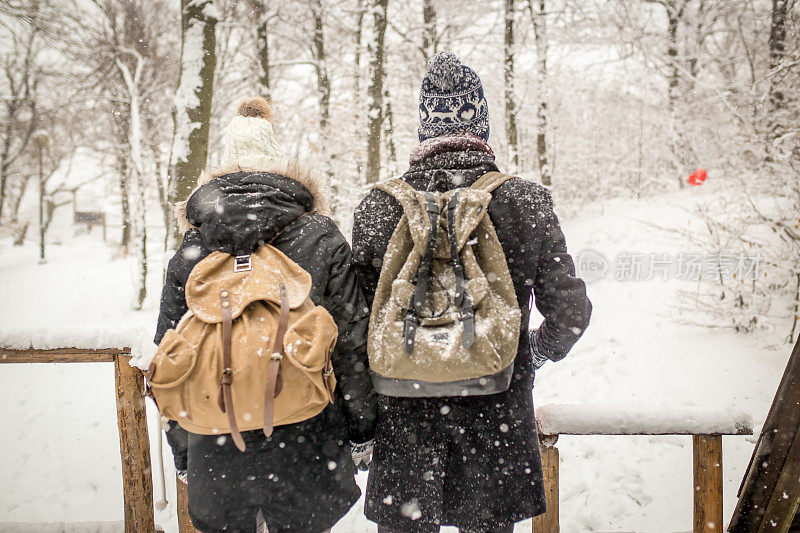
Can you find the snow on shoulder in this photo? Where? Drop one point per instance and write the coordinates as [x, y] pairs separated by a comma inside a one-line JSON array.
[[641, 420], [137, 338]]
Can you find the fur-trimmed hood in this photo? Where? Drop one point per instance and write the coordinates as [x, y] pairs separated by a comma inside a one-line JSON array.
[[288, 168], [238, 209]]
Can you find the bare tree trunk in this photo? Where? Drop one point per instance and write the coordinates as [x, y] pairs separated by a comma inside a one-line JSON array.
[[192, 113], [262, 47], [539, 18], [3, 176], [16, 202], [694, 60], [4, 166], [121, 128], [323, 79], [508, 80], [777, 50], [673, 72], [324, 95], [357, 35], [375, 50], [163, 194], [429, 41], [674, 14], [159, 170], [19, 97], [263, 60], [135, 180], [790, 340], [388, 132]]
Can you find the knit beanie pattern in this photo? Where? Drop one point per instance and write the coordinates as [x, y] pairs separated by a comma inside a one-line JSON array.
[[249, 141], [451, 100]]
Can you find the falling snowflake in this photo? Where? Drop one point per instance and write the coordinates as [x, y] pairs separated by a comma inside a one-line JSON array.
[[411, 510]]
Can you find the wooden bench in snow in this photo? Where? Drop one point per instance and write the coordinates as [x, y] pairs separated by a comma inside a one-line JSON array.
[[90, 218], [704, 424], [101, 345]]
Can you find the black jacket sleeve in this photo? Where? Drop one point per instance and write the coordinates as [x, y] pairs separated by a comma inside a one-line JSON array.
[[559, 295], [173, 297], [346, 303], [374, 222], [528, 229], [173, 307], [173, 304]]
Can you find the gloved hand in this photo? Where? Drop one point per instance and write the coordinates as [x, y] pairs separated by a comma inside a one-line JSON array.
[[362, 454], [539, 359], [182, 476]]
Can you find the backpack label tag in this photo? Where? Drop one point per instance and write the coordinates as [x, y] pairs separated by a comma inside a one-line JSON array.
[[242, 263]]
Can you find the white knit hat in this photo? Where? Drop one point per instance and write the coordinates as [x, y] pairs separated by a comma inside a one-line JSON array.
[[249, 141]]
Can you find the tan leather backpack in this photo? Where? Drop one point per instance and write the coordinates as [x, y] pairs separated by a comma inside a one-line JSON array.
[[252, 352], [445, 320]]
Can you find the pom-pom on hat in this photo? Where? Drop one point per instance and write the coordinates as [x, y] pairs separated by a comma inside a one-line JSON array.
[[451, 100], [249, 141]]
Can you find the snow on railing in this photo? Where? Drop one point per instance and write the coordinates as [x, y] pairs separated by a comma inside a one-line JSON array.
[[705, 424], [601, 419], [68, 344], [138, 339]]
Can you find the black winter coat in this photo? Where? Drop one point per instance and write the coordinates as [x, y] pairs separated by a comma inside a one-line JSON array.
[[302, 477], [472, 462]]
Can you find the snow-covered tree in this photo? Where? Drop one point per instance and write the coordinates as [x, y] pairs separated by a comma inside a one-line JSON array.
[[375, 51], [194, 96]]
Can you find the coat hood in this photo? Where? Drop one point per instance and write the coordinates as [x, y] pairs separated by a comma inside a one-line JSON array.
[[238, 209], [449, 162]]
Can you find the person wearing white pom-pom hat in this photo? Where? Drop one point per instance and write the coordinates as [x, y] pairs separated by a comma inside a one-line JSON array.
[[301, 476]]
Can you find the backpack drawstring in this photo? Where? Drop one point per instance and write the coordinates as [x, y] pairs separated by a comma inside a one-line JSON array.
[[161, 504]]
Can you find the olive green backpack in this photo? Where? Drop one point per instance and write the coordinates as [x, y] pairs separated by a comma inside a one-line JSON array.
[[445, 319]]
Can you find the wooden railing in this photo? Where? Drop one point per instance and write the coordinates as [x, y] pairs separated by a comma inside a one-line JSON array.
[[705, 426], [137, 483]]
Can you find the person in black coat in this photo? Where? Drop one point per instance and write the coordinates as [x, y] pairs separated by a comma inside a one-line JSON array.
[[472, 462], [301, 478]]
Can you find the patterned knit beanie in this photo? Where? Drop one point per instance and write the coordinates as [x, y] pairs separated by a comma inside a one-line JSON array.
[[451, 100], [249, 141]]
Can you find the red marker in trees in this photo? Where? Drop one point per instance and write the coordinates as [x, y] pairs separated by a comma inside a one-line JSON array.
[[698, 177]]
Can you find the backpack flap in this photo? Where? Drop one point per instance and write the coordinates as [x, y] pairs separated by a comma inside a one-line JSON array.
[[469, 209], [472, 205], [217, 272]]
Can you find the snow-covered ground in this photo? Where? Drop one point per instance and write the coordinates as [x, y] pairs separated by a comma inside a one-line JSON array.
[[59, 452]]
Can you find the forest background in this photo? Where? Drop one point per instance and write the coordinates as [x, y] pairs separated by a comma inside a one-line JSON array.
[[120, 103]]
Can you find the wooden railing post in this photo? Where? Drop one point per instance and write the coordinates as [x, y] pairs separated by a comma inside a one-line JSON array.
[[549, 521], [707, 466], [134, 444], [184, 522], [134, 447]]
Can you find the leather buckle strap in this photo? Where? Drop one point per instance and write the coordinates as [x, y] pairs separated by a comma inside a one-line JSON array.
[[274, 384], [410, 325], [226, 379]]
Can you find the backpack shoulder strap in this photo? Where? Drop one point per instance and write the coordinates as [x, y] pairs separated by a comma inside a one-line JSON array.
[[400, 191], [490, 181]]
